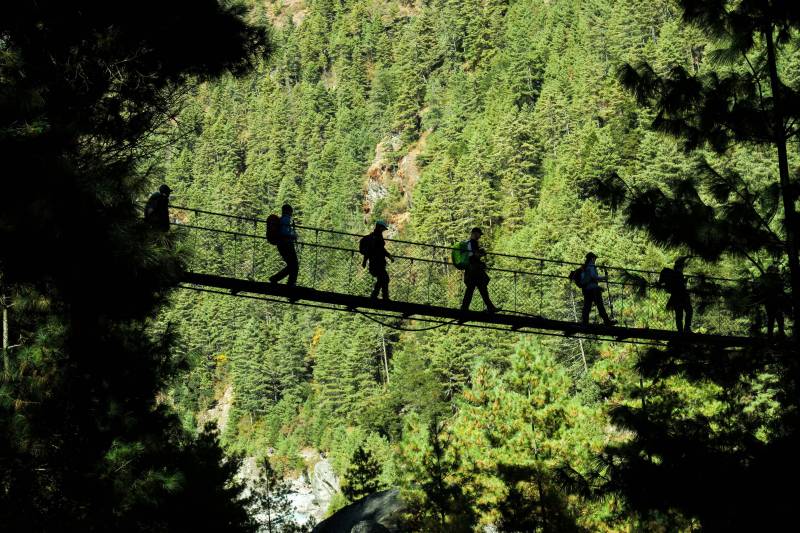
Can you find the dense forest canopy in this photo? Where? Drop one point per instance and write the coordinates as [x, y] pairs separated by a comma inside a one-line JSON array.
[[644, 131]]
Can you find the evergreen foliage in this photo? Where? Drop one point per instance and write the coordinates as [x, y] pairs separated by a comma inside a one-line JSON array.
[[443, 115], [361, 478]]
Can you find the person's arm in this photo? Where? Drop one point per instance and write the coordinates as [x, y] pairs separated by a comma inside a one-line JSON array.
[[593, 276]]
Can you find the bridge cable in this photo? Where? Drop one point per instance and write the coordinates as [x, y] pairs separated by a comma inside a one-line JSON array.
[[439, 322]]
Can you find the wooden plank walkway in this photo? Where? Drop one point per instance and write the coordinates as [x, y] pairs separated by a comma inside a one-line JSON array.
[[514, 322]]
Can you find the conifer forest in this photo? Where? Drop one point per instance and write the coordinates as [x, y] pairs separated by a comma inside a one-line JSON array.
[[639, 158]]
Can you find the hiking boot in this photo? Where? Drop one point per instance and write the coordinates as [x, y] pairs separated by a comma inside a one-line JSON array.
[[611, 322]]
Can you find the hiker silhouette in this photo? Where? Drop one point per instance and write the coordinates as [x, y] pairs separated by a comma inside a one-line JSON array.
[[475, 273], [770, 292], [679, 301], [592, 293], [156, 210], [373, 247], [286, 242]]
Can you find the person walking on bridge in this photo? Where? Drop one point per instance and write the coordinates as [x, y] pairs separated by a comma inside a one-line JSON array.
[[156, 210], [475, 273], [679, 301], [286, 241], [771, 293], [373, 248], [592, 293]]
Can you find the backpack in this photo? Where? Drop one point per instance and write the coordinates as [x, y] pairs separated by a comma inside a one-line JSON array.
[[460, 255], [274, 229], [667, 278], [365, 245], [151, 207], [576, 276]]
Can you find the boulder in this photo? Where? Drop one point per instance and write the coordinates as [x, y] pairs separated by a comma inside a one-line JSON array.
[[369, 526], [377, 513]]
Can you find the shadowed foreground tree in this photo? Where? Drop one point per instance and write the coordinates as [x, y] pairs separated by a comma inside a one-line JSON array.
[[715, 439], [86, 445], [361, 478], [435, 500], [745, 101], [715, 431]]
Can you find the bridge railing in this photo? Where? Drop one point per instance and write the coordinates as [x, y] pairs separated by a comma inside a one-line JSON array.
[[235, 246]]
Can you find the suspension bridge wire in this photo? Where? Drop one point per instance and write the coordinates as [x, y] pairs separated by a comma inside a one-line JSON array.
[[401, 328], [428, 245], [440, 323]]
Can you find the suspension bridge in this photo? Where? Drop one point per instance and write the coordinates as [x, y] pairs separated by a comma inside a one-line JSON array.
[[230, 255]]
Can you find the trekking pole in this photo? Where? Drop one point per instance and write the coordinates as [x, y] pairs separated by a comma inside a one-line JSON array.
[[316, 253], [253, 241], [608, 288]]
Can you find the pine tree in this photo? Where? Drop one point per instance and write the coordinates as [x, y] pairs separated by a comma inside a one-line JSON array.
[[85, 442], [361, 478], [271, 501]]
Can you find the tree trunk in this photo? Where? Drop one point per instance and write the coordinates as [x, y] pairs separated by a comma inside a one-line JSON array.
[[5, 322], [4, 304], [787, 194], [385, 358]]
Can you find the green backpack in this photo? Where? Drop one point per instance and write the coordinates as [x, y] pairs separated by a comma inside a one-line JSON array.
[[460, 255]]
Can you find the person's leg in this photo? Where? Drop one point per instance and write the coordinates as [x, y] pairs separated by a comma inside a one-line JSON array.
[[687, 321], [781, 325], [376, 288], [601, 308], [483, 289], [286, 270], [587, 307], [292, 264], [467, 296], [770, 321], [678, 318], [385, 284]]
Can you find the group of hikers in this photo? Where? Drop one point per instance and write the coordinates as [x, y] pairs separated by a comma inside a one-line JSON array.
[[469, 256]]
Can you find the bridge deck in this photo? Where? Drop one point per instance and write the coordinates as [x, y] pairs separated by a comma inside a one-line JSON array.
[[406, 309]]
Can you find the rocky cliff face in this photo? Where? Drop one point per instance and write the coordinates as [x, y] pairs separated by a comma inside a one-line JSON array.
[[324, 483], [309, 494], [391, 179], [219, 412]]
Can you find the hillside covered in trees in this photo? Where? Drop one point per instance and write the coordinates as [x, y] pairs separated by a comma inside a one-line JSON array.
[[642, 130], [439, 116]]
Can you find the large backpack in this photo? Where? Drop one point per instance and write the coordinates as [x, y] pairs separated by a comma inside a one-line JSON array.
[[460, 255], [151, 207], [365, 245], [274, 229], [576, 276], [667, 278]]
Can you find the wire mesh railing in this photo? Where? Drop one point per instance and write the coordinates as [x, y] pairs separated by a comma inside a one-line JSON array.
[[236, 246]]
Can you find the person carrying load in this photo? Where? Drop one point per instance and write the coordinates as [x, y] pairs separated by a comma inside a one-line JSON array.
[[156, 210], [588, 280], [373, 248], [281, 233], [674, 282], [468, 256]]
